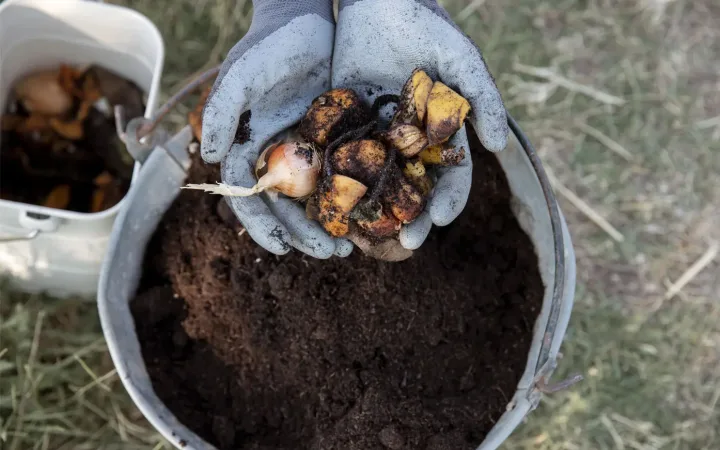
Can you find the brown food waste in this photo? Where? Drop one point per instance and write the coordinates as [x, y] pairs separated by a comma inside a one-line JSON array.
[[331, 114], [59, 147], [254, 351], [195, 115]]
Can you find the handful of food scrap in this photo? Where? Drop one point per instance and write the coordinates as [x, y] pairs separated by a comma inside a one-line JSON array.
[[359, 181]]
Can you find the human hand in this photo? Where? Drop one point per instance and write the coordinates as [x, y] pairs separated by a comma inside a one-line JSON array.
[[378, 43], [272, 75]]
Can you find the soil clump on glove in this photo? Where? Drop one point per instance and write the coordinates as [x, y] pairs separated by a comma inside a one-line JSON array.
[[255, 351]]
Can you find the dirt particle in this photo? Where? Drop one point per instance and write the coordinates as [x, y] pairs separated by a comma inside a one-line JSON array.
[[391, 438], [242, 134], [306, 152], [224, 430]]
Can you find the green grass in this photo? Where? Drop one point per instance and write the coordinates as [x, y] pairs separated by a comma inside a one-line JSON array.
[[652, 365]]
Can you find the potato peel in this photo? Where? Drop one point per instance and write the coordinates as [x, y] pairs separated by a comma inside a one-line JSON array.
[[195, 116], [405, 201], [337, 196], [446, 112], [72, 130], [58, 198], [440, 155], [98, 198], [68, 77], [422, 86], [385, 226], [42, 93], [387, 250]]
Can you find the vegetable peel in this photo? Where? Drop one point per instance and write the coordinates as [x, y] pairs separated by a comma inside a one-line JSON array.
[[446, 112], [415, 172], [409, 140], [337, 196], [413, 99], [441, 155], [405, 201]]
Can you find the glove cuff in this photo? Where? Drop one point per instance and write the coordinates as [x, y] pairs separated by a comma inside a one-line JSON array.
[[432, 5], [272, 11]]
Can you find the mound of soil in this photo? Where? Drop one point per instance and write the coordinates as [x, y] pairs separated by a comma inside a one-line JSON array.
[[255, 351]]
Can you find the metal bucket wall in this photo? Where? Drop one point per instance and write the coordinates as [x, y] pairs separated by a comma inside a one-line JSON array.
[[533, 203]]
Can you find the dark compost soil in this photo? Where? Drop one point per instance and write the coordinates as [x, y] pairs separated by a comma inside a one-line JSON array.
[[254, 351]]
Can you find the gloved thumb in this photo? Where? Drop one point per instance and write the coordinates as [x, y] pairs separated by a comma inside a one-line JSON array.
[[221, 115]]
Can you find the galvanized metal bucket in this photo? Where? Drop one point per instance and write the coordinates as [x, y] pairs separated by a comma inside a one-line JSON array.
[[163, 174]]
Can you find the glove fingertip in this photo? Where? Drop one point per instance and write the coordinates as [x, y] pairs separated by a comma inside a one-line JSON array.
[[444, 214], [451, 195], [488, 114], [318, 249], [220, 117], [276, 241], [306, 236], [264, 228], [489, 117], [216, 138], [414, 234], [343, 247], [493, 133]]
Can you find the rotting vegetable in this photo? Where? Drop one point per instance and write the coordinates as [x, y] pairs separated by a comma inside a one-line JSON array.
[[370, 181]]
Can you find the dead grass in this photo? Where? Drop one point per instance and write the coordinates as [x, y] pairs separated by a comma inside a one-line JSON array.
[[58, 388], [622, 99]]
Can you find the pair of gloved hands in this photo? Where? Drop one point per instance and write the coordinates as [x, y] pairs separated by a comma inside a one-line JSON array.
[[294, 52]]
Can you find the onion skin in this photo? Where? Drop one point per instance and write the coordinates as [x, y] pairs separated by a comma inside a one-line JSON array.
[[290, 168], [42, 93], [299, 164]]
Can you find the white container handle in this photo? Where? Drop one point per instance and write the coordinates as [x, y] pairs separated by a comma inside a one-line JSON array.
[[40, 222], [20, 237], [34, 223]]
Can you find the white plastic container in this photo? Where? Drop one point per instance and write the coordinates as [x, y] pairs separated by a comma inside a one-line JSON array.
[[45, 249]]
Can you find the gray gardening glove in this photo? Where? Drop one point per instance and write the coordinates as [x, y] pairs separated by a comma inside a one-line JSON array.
[[275, 71], [378, 43]]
